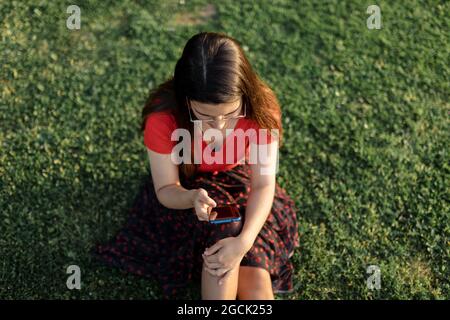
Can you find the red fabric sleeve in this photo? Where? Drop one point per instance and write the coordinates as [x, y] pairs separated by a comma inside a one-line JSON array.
[[158, 130]]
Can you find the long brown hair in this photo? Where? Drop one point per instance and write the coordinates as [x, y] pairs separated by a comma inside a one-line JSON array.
[[213, 69]]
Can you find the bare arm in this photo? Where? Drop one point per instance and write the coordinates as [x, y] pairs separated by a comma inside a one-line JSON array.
[[260, 199], [166, 181], [168, 188]]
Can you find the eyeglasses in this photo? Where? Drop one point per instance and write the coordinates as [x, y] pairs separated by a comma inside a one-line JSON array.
[[231, 115]]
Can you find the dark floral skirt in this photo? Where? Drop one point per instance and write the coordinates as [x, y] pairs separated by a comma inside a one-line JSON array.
[[167, 245]]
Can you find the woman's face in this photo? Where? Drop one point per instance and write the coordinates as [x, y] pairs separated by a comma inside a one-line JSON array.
[[218, 116]]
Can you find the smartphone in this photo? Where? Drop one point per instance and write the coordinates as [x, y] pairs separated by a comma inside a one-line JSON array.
[[227, 213]]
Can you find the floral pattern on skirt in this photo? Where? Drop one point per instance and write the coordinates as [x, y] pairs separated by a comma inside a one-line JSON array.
[[167, 245]]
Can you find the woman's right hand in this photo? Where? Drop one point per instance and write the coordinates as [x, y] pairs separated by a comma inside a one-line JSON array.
[[203, 205]]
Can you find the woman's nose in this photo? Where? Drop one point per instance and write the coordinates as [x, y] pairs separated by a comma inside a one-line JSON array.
[[218, 123]]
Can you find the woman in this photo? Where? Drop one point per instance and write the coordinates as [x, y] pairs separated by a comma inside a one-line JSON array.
[[169, 235]]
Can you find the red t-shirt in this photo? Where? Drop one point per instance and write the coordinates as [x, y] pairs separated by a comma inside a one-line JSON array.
[[160, 125]]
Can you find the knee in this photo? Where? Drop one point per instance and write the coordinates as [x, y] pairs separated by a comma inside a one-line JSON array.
[[253, 281], [212, 291], [254, 284]]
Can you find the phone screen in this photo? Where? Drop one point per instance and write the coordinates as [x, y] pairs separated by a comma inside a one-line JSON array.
[[226, 212]]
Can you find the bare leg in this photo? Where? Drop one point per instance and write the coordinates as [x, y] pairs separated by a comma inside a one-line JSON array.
[[211, 289], [254, 284]]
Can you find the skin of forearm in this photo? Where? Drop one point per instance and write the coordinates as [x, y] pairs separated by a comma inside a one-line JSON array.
[[259, 206], [175, 197]]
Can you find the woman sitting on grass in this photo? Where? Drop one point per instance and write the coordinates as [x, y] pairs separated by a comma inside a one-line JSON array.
[[169, 235]]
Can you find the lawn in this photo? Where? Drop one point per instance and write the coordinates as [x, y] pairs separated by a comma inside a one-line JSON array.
[[365, 114]]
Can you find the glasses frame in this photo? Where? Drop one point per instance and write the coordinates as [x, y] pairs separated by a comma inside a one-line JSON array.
[[224, 118]]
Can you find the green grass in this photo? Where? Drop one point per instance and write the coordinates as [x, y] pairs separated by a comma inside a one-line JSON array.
[[365, 114]]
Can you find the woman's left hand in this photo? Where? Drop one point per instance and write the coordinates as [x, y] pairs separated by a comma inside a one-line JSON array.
[[223, 256]]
